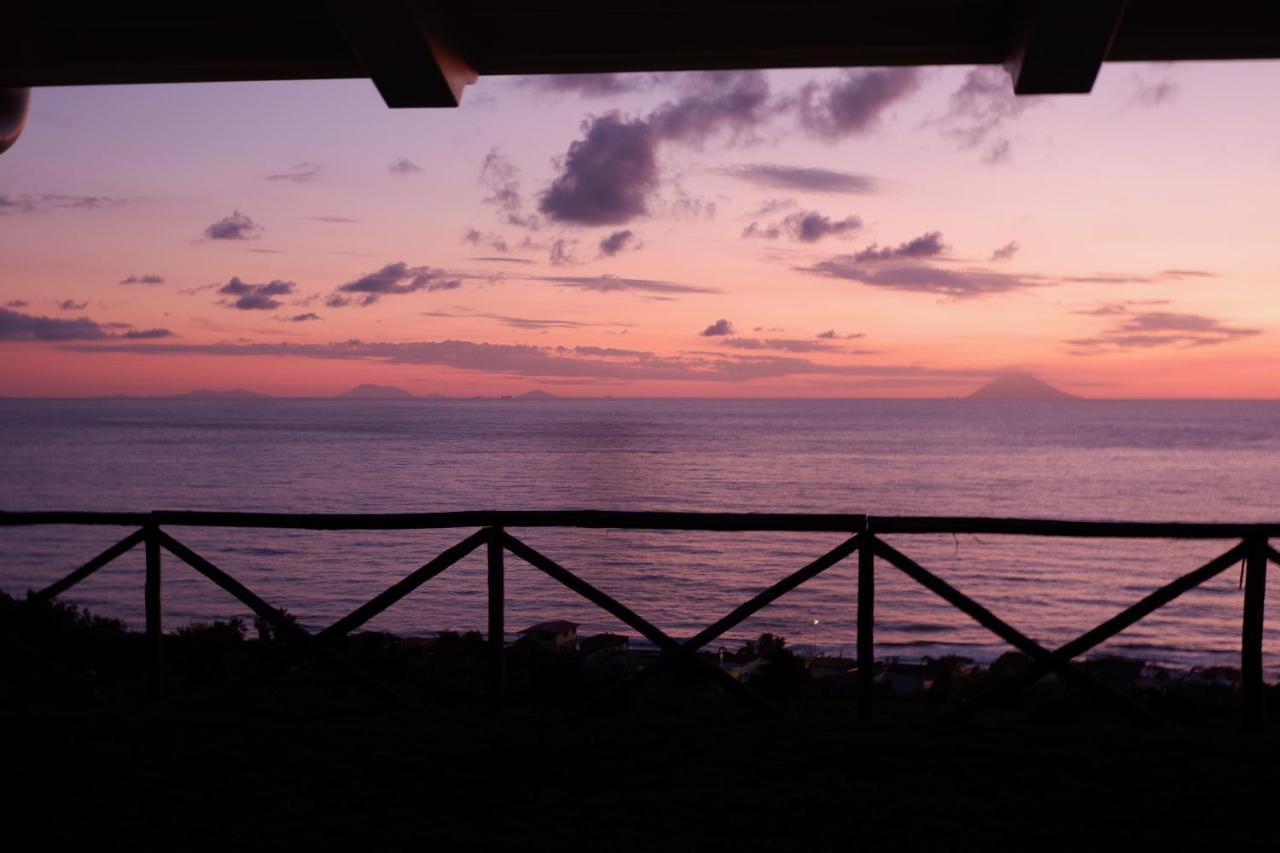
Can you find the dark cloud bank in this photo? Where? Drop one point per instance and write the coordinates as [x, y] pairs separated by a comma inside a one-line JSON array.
[[907, 267], [528, 323], [806, 226], [402, 167], [608, 176], [795, 345], [299, 173], [593, 85], [801, 178], [394, 279], [616, 242], [588, 362], [15, 326], [1140, 330], [237, 226], [245, 296], [501, 180], [980, 111], [717, 329], [1005, 252], [927, 245], [922, 278], [614, 284], [854, 102], [39, 203]]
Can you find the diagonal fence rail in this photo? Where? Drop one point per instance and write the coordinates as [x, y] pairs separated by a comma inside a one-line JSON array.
[[864, 534]]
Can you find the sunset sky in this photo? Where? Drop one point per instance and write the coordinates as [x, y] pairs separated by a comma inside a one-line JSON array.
[[880, 233]]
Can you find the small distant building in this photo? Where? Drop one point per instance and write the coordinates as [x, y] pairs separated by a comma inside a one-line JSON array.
[[557, 636], [607, 643], [903, 679], [741, 670], [1155, 676], [1215, 677], [823, 667]]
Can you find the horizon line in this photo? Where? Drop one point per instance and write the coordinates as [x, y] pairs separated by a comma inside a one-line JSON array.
[[233, 396]]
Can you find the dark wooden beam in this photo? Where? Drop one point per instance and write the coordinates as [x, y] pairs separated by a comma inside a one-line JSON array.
[[629, 617], [781, 522], [407, 56], [285, 627], [919, 524], [1255, 594], [1062, 45], [1106, 630], [151, 602], [866, 627], [1006, 632], [398, 590], [738, 615], [358, 617], [53, 44], [497, 613], [60, 586]]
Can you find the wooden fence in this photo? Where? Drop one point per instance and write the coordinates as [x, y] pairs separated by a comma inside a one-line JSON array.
[[864, 538]]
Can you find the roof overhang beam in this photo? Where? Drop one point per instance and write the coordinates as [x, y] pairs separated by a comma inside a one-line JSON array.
[[405, 51], [1062, 45]]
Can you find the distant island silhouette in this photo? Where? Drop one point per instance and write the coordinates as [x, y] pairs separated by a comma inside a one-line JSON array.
[[1011, 385], [232, 394], [369, 391], [1017, 385]]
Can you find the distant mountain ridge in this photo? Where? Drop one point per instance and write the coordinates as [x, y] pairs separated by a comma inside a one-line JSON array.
[[369, 391], [1020, 386]]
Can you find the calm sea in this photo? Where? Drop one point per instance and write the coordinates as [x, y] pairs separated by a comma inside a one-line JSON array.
[[1194, 461]]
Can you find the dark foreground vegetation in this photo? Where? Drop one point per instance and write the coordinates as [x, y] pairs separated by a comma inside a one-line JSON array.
[[314, 760]]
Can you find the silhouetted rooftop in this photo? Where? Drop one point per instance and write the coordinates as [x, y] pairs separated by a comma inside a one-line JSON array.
[[555, 626]]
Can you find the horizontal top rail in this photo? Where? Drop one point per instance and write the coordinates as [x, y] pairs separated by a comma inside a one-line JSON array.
[[847, 523], [1050, 527], [122, 519], [741, 521]]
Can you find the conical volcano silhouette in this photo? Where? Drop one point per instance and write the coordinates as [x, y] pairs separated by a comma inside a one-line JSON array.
[[1016, 385]]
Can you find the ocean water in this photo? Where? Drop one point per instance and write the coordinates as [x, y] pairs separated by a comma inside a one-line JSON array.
[[1166, 461]]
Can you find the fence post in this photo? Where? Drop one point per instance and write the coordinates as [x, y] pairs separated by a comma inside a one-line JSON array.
[[151, 601], [497, 600], [1255, 593], [866, 625]]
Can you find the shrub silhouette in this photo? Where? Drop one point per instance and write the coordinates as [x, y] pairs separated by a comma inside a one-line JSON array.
[[95, 647], [206, 652], [782, 673], [268, 633]]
